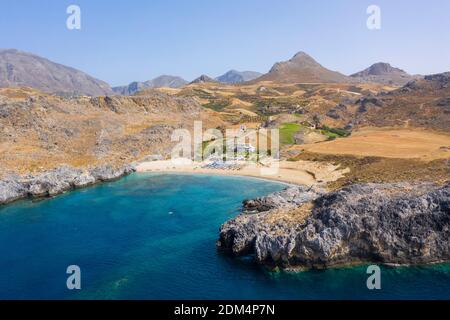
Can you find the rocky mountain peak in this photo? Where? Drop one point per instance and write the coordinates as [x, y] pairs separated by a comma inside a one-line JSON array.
[[303, 58], [203, 79], [379, 69], [302, 68], [384, 73]]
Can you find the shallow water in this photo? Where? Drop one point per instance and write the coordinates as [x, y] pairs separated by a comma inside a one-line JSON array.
[[152, 236]]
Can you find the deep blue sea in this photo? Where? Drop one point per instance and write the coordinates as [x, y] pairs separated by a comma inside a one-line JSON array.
[[152, 236]]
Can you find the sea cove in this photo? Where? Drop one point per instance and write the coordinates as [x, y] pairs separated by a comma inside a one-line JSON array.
[[152, 236]]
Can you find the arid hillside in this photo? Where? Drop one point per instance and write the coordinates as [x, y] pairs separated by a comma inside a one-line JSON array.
[[41, 131], [418, 144], [251, 102], [421, 103]]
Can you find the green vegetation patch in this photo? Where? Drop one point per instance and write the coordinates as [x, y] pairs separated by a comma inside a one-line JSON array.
[[334, 133], [288, 132]]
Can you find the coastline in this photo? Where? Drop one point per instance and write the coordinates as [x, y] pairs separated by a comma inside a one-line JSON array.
[[57, 181], [306, 173], [66, 178], [250, 232], [344, 227], [220, 174]]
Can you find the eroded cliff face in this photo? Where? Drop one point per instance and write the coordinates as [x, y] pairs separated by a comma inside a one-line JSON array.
[[380, 223]]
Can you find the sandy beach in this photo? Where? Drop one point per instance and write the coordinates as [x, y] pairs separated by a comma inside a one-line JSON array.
[[300, 172]]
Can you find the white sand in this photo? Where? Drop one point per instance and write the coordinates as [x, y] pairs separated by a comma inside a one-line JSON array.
[[301, 172]]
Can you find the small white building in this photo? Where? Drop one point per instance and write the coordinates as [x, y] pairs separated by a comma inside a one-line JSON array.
[[246, 147]]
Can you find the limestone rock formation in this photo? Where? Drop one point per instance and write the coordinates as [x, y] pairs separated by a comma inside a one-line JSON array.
[[397, 224]]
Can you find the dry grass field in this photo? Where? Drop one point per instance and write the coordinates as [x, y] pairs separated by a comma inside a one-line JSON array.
[[388, 143]]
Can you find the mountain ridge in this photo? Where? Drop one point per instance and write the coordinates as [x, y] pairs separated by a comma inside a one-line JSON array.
[[203, 79], [234, 76], [163, 81], [23, 69]]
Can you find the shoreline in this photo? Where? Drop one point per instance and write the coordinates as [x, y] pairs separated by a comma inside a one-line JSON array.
[[218, 174], [305, 173], [64, 179], [57, 181]]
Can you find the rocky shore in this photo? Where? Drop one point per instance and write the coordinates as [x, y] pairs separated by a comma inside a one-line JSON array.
[[57, 181], [399, 224]]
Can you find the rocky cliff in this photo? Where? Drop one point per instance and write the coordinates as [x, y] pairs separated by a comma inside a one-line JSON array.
[[379, 223], [54, 182]]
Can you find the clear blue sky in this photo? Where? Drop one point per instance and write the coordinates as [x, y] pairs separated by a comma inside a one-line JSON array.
[[122, 41]]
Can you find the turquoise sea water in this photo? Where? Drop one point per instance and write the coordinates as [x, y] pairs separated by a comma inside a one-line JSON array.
[[153, 237]]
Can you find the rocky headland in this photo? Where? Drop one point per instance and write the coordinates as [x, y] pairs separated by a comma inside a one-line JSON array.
[[302, 228], [51, 183]]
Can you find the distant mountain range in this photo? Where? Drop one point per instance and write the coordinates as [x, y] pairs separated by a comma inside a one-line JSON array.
[[302, 68], [234, 76], [163, 81], [21, 69], [384, 73]]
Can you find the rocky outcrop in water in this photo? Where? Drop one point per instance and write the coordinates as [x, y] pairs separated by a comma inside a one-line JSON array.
[[380, 223], [59, 180], [241, 234]]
